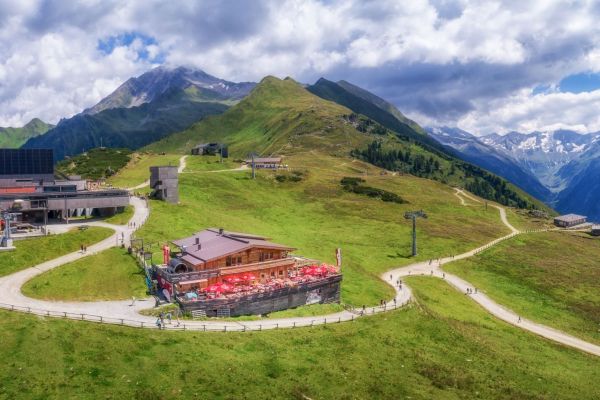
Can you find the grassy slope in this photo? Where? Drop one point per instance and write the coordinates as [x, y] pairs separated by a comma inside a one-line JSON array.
[[317, 215], [95, 163], [282, 117], [446, 348], [138, 169], [34, 251], [209, 163], [278, 116], [109, 275], [121, 218], [15, 137], [552, 277]]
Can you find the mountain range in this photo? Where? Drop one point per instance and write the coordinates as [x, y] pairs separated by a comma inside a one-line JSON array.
[[166, 109], [559, 167], [142, 110]]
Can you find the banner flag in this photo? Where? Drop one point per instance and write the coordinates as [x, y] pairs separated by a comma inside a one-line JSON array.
[[338, 257]]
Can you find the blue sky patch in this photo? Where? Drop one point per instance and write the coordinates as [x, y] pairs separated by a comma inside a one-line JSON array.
[[577, 83], [107, 45]]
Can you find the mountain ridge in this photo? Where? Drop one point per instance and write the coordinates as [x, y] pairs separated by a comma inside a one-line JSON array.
[[563, 161], [15, 137]]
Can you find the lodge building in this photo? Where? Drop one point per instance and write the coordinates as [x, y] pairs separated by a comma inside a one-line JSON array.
[[263, 276]]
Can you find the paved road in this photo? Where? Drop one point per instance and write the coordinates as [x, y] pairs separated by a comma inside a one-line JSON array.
[[113, 311]]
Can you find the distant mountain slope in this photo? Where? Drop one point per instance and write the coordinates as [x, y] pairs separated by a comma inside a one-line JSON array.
[[277, 116], [381, 103], [15, 137], [501, 163], [132, 127], [282, 117], [332, 91], [543, 153], [153, 84]]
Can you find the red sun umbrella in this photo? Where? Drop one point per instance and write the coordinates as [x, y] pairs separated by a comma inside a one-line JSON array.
[[248, 277]]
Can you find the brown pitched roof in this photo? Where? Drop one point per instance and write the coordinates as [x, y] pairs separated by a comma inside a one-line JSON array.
[[210, 244]]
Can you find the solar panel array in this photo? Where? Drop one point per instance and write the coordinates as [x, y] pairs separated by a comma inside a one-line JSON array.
[[26, 162]]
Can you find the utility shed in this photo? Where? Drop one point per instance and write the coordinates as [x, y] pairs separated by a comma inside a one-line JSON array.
[[164, 182], [569, 220], [596, 230]]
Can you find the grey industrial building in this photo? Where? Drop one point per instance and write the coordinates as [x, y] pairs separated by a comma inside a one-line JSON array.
[[28, 186], [164, 182]]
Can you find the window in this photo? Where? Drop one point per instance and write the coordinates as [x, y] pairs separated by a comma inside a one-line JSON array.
[[272, 274], [280, 272], [239, 260], [228, 261]]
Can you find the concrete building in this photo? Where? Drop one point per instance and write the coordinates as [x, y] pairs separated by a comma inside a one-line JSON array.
[[569, 220], [28, 187], [164, 182]]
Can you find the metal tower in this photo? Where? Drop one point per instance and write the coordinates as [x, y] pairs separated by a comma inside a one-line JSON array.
[[414, 215]]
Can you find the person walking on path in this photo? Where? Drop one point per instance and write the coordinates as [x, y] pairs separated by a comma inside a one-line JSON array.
[[132, 301], [475, 290], [158, 323], [81, 247], [519, 320], [169, 317]]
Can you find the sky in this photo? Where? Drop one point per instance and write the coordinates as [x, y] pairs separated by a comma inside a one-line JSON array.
[[483, 66]]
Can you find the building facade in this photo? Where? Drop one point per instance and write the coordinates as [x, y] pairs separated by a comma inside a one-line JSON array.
[[269, 278], [164, 182], [28, 186], [569, 220]]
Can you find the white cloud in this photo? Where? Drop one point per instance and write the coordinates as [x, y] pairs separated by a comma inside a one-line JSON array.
[[467, 62], [525, 112]]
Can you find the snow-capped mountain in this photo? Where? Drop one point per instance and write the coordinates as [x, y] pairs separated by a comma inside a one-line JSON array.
[[498, 161], [543, 153], [154, 83], [565, 163]]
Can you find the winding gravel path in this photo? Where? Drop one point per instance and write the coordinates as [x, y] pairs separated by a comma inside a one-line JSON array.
[[123, 313]]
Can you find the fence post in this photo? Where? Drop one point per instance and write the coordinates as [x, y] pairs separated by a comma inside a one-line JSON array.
[[260, 327], [141, 324], [352, 318], [122, 321], [294, 324], [224, 328], [339, 319], [65, 313], [277, 325], [82, 317]]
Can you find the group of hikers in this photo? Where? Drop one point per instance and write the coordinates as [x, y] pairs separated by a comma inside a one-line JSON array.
[[160, 321]]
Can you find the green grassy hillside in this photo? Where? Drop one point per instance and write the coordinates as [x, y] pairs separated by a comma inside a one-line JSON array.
[[317, 215], [282, 117], [34, 251], [445, 347], [95, 164], [552, 278], [109, 275], [16, 137]]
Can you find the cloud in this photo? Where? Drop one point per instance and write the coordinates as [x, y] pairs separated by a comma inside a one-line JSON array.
[[471, 63]]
